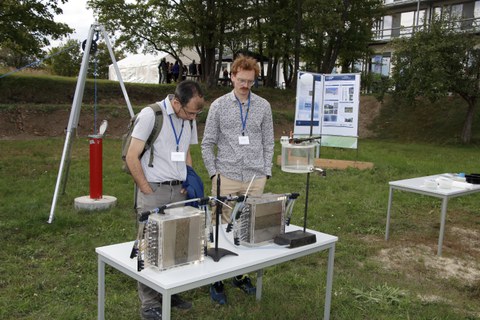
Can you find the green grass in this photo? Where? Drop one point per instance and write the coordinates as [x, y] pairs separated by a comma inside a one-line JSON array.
[[440, 122], [37, 89], [49, 271]]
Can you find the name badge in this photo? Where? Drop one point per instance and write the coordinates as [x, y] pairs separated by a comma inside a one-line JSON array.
[[177, 156], [243, 140]]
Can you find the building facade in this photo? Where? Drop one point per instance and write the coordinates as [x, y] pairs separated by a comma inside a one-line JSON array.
[[404, 17]]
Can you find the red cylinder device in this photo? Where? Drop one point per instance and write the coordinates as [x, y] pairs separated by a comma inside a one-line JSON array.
[[95, 166]]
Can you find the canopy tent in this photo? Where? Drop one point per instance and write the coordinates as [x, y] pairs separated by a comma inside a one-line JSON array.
[[137, 68], [143, 68]]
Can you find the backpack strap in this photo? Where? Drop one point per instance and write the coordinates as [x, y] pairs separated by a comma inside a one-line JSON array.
[[157, 127]]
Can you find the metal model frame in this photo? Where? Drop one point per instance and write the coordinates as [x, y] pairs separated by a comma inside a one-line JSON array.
[[76, 106]]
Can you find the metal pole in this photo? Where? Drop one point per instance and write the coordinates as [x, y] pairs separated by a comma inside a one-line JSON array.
[[73, 121], [418, 14], [312, 111], [442, 225], [117, 71], [218, 211], [389, 210], [328, 289]]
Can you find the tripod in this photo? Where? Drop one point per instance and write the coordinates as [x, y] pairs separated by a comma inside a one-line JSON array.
[[76, 105]]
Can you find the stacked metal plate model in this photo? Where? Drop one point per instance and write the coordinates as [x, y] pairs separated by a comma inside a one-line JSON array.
[[174, 238], [260, 219]]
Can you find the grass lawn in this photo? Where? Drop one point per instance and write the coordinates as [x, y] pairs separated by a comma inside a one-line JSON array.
[[49, 271]]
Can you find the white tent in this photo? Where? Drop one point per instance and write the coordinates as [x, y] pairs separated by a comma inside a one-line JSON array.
[[137, 68], [143, 68]]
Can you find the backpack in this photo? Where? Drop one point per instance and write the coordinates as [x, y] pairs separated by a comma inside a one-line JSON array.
[[127, 137]]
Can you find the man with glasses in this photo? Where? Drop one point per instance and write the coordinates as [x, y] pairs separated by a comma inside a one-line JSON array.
[[240, 126], [160, 183]]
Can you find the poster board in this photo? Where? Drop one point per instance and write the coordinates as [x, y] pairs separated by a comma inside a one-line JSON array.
[[336, 102]]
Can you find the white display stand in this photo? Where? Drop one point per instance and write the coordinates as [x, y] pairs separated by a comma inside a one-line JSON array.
[[183, 278], [419, 185], [327, 105]]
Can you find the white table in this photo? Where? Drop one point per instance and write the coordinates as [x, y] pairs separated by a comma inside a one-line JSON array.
[[183, 278], [417, 185]]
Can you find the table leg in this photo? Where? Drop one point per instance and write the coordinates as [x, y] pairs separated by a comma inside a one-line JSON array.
[[101, 289], [442, 225], [387, 228], [259, 284], [328, 289], [166, 306]]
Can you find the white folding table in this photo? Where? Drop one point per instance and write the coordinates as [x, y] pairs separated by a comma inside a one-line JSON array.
[[418, 185], [183, 278]]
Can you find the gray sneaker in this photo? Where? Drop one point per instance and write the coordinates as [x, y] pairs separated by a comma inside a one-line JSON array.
[[179, 303], [151, 314], [245, 284]]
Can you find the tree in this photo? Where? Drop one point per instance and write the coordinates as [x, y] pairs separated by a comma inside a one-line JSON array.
[[275, 34], [66, 59], [436, 62], [170, 26], [104, 60], [26, 26], [284, 31], [337, 29], [358, 34], [209, 25]]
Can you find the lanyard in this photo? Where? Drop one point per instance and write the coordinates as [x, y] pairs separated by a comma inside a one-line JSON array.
[[177, 139], [244, 121]]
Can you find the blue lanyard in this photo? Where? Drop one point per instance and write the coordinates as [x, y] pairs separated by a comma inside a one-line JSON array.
[[244, 121], [177, 139]]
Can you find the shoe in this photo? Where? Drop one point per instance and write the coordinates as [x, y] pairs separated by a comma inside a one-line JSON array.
[[179, 303], [245, 284], [217, 294], [151, 314]]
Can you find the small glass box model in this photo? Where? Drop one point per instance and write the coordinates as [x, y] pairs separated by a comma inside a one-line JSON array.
[[298, 157], [175, 238]]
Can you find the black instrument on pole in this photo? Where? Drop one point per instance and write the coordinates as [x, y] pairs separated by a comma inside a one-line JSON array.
[[217, 253], [299, 238]]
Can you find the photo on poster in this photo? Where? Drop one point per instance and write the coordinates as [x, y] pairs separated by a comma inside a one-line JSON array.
[[331, 93], [347, 93]]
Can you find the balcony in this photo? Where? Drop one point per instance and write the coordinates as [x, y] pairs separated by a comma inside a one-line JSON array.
[[471, 25]]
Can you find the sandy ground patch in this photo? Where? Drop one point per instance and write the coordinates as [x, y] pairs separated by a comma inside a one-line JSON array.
[[464, 266]]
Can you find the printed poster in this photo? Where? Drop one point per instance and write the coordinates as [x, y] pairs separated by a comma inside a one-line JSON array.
[[336, 101]]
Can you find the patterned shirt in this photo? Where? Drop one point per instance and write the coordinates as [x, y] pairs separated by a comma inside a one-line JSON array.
[[223, 128]]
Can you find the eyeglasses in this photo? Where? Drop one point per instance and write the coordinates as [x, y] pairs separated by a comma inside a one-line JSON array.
[[245, 82], [191, 114]]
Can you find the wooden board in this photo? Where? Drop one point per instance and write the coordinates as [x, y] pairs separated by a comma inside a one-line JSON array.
[[336, 164]]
